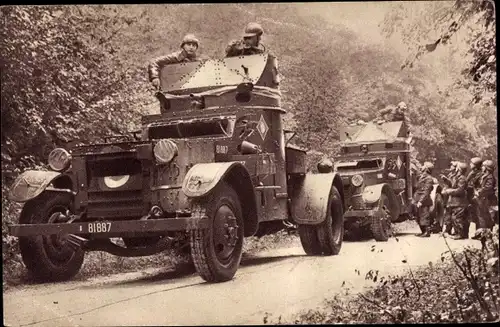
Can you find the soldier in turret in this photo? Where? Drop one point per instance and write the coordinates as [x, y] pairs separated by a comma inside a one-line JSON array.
[[397, 113], [422, 201], [249, 45], [189, 46], [484, 196], [457, 202]]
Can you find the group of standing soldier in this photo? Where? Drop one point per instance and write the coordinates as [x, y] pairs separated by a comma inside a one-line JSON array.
[[467, 196]]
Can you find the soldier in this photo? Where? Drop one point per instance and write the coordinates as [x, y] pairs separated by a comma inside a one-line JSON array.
[[189, 46], [393, 113], [422, 200], [472, 184], [249, 45], [457, 202], [448, 180], [484, 196]]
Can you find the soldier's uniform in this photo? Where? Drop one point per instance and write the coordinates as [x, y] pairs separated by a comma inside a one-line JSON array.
[[394, 113], [447, 212], [174, 58], [237, 48], [473, 184], [485, 195], [422, 196], [457, 203]]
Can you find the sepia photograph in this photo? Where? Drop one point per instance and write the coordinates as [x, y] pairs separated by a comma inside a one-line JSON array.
[[249, 163]]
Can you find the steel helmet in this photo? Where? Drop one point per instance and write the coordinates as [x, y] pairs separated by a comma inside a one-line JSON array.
[[253, 29], [462, 165], [476, 161], [488, 164], [190, 38], [428, 165], [325, 166], [402, 105]]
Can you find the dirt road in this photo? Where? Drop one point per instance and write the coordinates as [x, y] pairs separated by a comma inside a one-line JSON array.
[[280, 282]]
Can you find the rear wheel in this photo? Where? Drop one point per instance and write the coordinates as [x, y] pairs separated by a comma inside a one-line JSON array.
[[325, 238], [48, 258], [217, 251], [381, 224]]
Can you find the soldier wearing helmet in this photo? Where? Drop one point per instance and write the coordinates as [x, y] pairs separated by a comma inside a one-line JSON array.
[[422, 201], [189, 46], [448, 179], [250, 43], [472, 184], [475, 171], [485, 196], [393, 113], [457, 202]]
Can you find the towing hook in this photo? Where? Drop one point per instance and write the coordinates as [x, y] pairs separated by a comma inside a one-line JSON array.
[[156, 211]]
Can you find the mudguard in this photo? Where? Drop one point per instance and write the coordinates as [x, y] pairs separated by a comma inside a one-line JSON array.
[[31, 184], [372, 194], [309, 201], [202, 178]]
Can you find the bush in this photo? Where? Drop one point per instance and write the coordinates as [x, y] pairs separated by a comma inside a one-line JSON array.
[[464, 287]]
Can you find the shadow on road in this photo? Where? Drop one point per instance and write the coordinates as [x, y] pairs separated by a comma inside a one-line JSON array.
[[251, 260], [170, 274]]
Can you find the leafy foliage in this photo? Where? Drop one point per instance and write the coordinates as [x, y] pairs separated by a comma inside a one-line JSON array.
[[464, 287], [61, 79], [467, 29]]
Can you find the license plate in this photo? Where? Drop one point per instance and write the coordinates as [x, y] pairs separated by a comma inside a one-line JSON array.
[[99, 227]]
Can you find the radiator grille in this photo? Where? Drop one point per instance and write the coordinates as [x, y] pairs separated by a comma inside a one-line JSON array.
[[125, 201]]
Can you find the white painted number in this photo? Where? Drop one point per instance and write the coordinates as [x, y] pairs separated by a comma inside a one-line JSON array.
[[221, 149], [99, 227]]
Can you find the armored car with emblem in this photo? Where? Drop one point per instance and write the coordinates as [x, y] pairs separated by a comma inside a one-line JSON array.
[[374, 164], [212, 167]]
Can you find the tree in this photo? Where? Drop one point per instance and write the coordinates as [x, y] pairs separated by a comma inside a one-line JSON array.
[[466, 28], [61, 79]]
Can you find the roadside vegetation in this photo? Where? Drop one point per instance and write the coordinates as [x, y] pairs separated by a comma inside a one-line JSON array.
[[463, 288]]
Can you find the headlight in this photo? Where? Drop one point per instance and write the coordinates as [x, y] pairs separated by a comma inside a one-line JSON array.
[[165, 150], [59, 159], [357, 180]]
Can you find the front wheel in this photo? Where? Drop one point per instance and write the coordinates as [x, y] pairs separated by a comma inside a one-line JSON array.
[[217, 251], [381, 223], [325, 238], [48, 258]]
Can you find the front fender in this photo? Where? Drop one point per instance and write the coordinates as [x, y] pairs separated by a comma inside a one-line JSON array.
[[309, 200], [31, 184], [202, 178], [372, 194]]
